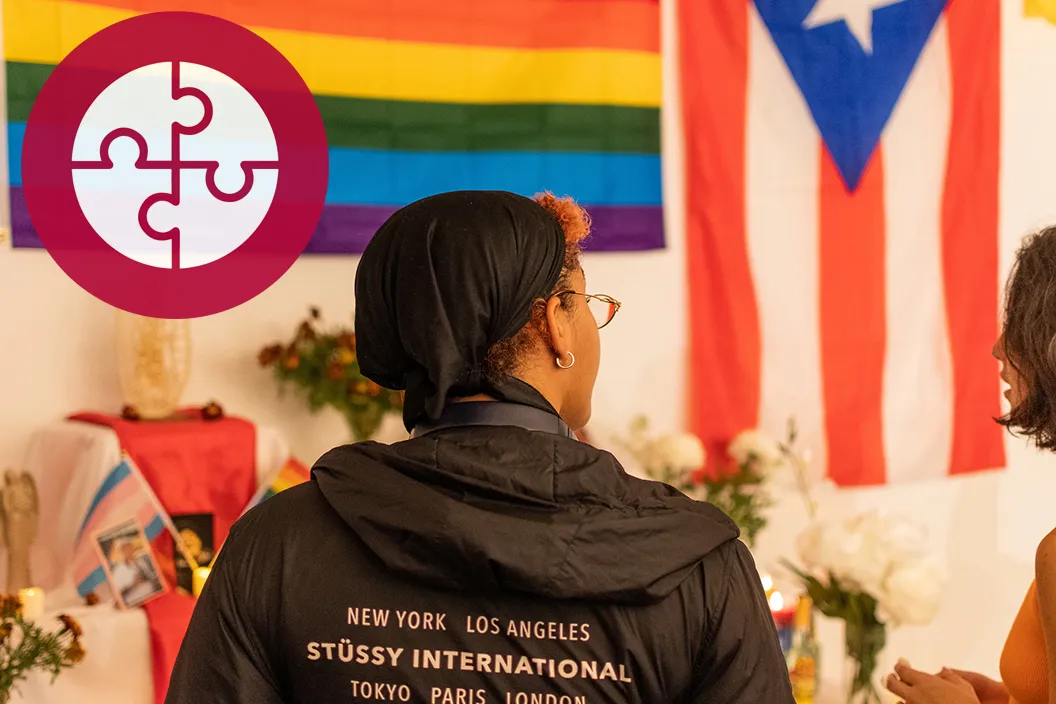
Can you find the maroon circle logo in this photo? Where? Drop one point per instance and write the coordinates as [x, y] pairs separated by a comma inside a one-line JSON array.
[[175, 165]]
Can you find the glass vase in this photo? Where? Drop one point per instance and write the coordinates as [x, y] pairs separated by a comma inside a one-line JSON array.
[[863, 646], [153, 363]]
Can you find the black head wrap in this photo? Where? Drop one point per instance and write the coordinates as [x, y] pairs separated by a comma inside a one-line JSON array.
[[443, 280]]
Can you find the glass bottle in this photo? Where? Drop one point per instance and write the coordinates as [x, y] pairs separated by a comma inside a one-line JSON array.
[[804, 654]]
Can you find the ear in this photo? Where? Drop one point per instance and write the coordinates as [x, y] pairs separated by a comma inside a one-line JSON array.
[[558, 326]]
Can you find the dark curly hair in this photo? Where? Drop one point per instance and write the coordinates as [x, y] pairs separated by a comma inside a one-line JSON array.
[[1029, 338], [506, 356]]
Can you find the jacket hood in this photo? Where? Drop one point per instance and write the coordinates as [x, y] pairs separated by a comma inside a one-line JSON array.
[[504, 508]]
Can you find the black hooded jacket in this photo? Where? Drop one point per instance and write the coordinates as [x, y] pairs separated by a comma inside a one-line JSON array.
[[481, 564]]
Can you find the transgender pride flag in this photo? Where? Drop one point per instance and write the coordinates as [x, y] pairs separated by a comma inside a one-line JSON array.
[[123, 495]]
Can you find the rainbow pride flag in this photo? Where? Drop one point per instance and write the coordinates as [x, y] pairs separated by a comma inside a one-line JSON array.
[[1040, 8], [424, 96], [291, 474]]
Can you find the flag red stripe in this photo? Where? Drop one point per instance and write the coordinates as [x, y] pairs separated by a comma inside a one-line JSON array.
[[724, 363], [853, 321], [529, 24], [969, 231]]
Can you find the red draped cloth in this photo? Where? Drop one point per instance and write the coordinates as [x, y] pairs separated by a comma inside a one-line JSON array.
[[194, 466]]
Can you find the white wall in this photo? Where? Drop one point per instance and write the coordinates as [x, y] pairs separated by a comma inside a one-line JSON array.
[[56, 357]]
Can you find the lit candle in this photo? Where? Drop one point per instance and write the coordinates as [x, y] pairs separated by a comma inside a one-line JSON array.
[[768, 584], [198, 580], [783, 619], [32, 603]]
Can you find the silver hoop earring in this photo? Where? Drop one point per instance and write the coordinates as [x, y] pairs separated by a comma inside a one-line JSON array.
[[569, 365]]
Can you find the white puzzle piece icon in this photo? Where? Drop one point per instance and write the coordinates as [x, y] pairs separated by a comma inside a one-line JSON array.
[[175, 168], [110, 200], [140, 101], [238, 132], [207, 228]]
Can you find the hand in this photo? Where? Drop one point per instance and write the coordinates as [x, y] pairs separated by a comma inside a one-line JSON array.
[[916, 687], [989, 691]]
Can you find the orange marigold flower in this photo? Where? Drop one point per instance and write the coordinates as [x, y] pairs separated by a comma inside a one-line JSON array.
[[348, 341], [70, 625], [306, 331], [10, 606], [75, 652], [269, 354], [344, 355]]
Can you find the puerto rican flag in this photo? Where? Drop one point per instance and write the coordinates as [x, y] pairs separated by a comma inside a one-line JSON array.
[[842, 183]]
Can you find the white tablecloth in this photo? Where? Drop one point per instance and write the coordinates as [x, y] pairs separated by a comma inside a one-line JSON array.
[[116, 669]]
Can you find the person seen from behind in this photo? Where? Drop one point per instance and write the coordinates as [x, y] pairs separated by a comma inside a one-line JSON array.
[[491, 557]]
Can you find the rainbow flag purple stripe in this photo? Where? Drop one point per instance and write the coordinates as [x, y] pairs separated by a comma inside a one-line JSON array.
[[346, 229]]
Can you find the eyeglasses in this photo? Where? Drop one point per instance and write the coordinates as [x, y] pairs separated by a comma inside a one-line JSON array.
[[602, 307]]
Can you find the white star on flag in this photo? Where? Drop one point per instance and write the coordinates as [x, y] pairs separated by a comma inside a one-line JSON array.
[[858, 14]]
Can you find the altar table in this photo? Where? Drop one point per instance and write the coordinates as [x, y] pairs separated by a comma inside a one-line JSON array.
[[68, 460]]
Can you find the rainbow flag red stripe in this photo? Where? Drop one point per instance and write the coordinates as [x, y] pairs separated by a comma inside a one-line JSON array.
[[291, 474]]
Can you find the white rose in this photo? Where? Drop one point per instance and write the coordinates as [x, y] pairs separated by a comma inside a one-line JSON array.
[[647, 458], [808, 545], [874, 545], [897, 538], [843, 552], [678, 453], [911, 594], [827, 547], [839, 547], [862, 562], [753, 446], [887, 543]]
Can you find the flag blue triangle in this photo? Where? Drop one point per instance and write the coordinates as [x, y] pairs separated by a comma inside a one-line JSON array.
[[850, 92]]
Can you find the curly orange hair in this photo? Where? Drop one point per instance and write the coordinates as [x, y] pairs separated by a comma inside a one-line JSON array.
[[505, 356]]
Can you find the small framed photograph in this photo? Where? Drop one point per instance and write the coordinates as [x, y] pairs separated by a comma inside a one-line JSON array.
[[196, 532], [130, 567]]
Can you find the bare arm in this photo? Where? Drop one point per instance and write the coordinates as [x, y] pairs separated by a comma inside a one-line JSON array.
[[1045, 574]]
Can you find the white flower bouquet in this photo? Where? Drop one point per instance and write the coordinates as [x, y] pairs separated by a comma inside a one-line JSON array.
[[871, 572], [672, 459], [738, 485]]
